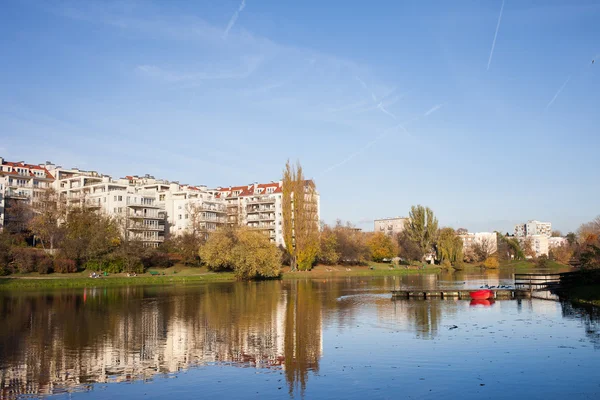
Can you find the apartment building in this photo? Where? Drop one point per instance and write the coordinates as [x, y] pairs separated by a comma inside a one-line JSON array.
[[533, 227], [390, 226], [257, 206], [136, 209], [487, 240], [557, 242], [20, 183]]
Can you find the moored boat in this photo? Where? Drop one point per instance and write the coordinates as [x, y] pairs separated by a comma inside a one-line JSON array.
[[483, 294]]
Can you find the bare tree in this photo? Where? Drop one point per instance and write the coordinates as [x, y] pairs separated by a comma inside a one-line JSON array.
[[48, 215], [483, 248]]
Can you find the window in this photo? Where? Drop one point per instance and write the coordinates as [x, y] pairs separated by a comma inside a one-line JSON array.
[[179, 216], [120, 198], [115, 198], [186, 216]]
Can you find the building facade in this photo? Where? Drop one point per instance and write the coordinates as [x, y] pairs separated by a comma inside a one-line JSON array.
[[20, 184], [390, 226], [533, 227], [487, 240]]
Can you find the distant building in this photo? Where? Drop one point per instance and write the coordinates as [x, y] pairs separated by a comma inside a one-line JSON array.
[[20, 183], [488, 240], [390, 226], [557, 242], [539, 243], [532, 228]]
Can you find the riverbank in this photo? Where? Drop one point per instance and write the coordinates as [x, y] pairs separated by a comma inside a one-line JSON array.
[[180, 274], [586, 294], [187, 275]]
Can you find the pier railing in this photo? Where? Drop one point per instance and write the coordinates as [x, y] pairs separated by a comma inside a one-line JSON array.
[[534, 282]]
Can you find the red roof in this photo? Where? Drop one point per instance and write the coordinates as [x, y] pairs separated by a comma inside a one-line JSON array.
[[47, 174]]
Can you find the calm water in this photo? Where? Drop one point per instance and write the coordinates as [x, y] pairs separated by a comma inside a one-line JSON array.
[[342, 338]]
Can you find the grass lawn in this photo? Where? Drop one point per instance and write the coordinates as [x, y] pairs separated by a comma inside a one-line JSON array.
[[181, 274]]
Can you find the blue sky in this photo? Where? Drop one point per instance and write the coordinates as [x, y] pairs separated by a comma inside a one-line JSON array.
[[385, 103]]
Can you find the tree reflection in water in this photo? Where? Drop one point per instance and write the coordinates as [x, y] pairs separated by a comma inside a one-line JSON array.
[[66, 340]]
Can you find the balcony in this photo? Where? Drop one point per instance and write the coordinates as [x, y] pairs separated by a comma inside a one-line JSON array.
[[16, 195], [135, 205], [257, 209], [213, 219], [262, 200], [144, 227], [137, 215]]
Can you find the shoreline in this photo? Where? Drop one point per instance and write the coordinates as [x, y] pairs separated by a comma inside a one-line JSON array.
[[184, 276], [181, 275]]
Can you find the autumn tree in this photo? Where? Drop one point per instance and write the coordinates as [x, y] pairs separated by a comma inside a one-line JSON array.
[[381, 247], [48, 215], [556, 233], [528, 249], [300, 217], [328, 246], [483, 248], [352, 244], [449, 246], [89, 235], [562, 253], [248, 253], [421, 228]]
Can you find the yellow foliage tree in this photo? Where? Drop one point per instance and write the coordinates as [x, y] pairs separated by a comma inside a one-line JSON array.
[[381, 247], [491, 262]]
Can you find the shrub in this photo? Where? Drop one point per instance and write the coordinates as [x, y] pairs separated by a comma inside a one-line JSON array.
[[459, 264], [446, 264], [24, 259], [64, 265], [491, 262], [45, 265], [157, 259], [542, 261]]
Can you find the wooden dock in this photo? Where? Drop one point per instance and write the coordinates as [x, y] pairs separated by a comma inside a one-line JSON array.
[[458, 294]]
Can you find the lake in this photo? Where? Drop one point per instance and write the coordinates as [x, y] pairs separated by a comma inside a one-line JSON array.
[[329, 338]]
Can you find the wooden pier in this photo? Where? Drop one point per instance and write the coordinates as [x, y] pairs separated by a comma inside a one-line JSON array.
[[458, 294]]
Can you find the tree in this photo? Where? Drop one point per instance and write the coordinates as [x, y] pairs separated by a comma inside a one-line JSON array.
[[421, 227], [556, 233], [249, 254], [528, 249], [483, 248], [407, 249], [328, 249], [187, 246], [491, 262], [352, 244], [590, 231], [381, 247], [89, 235], [571, 238], [462, 231], [300, 218], [562, 253], [48, 214], [216, 252], [509, 247], [449, 246], [254, 256]]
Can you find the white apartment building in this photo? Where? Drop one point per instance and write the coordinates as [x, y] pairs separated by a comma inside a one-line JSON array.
[[487, 239], [533, 227], [257, 206], [20, 182], [557, 242], [135, 208], [390, 226], [539, 243]]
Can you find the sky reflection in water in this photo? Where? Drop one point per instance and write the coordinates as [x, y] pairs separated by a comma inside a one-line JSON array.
[[340, 338]]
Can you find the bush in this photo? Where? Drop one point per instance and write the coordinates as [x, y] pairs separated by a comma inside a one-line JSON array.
[[45, 265], [542, 261], [157, 259], [446, 264], [24, 259], [459, 264], [491, 262], [64, 265]]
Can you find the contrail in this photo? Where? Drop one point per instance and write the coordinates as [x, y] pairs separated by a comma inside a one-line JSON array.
[[382, 108], [234, 18], [381, 136], [557, 93], [495, 36], [379, 103], [433, 109]]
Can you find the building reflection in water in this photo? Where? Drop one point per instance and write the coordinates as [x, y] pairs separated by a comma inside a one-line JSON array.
[[68, 340]]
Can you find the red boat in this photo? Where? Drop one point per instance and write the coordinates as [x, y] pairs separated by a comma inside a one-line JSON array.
[[483, 294]]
